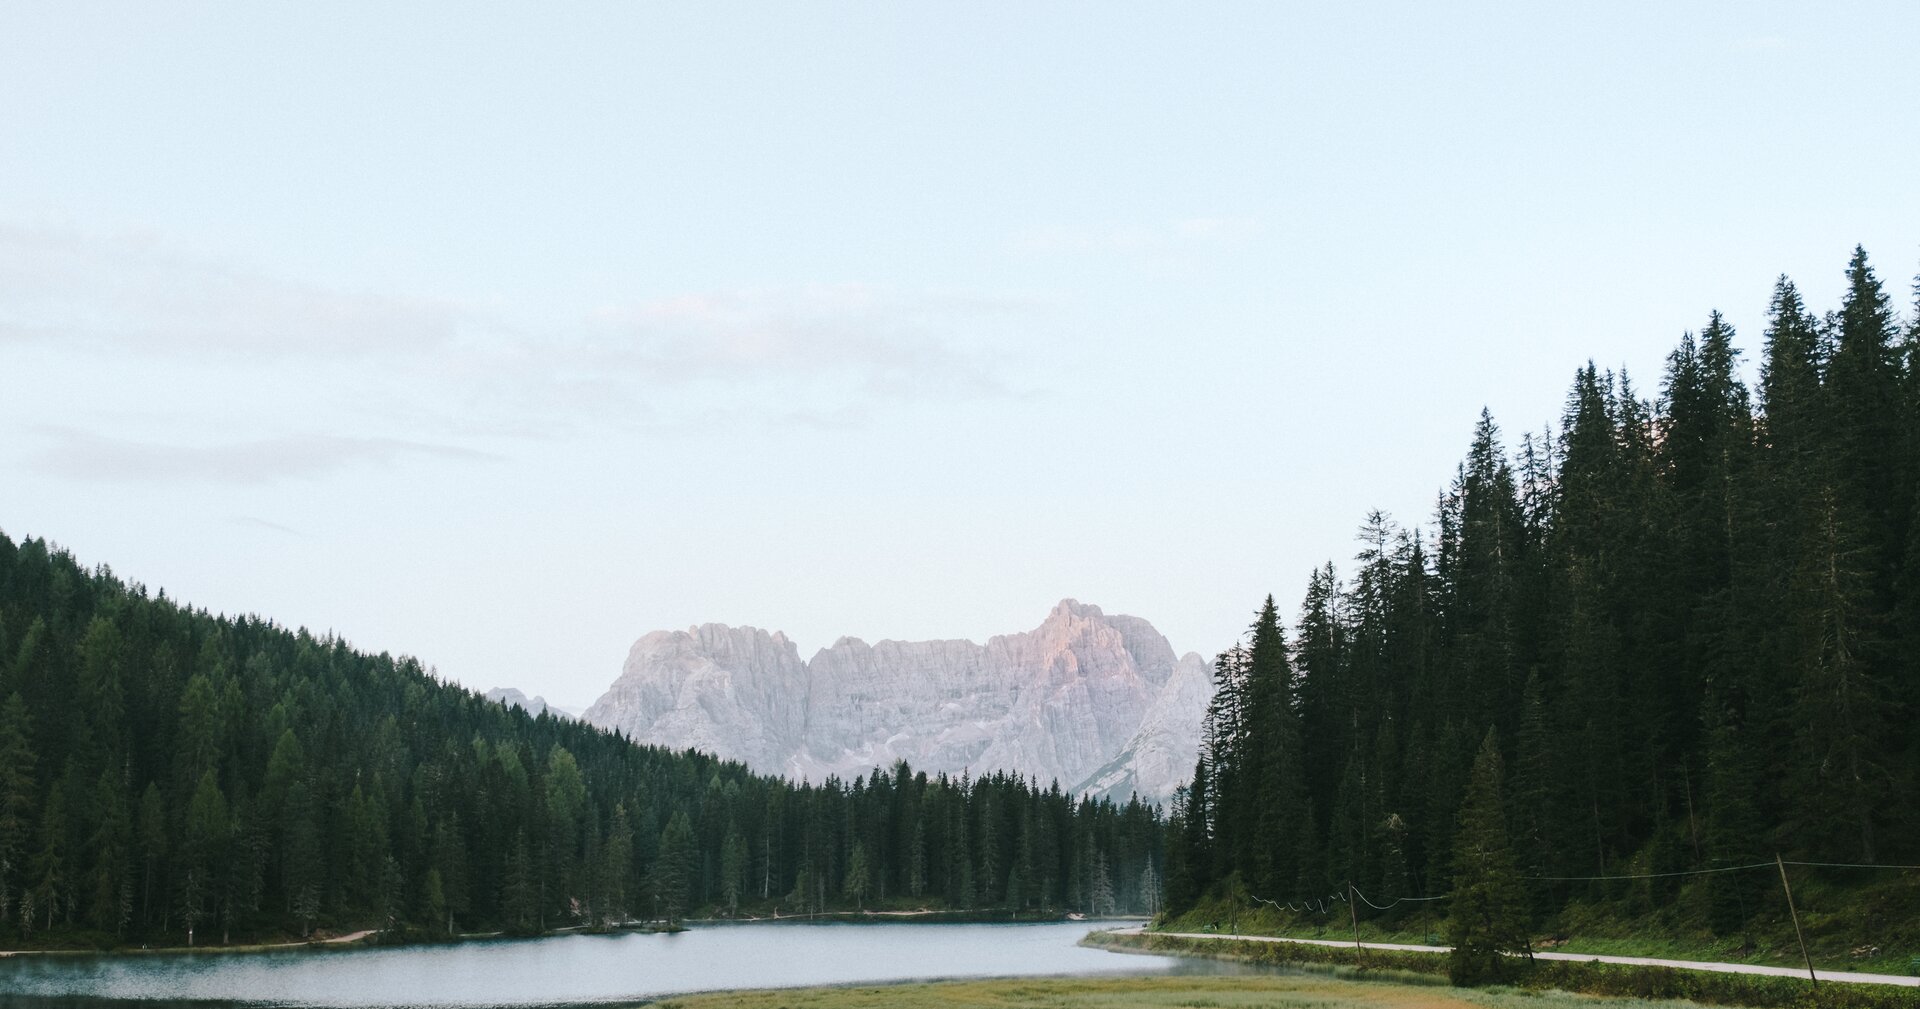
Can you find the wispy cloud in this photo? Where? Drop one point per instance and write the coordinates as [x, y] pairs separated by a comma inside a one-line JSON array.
[[130, 293], [851, 333], [86, 456], [423, 371]]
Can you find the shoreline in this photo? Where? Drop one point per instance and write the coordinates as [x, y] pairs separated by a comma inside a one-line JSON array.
[[1698, 981], [363, 939]]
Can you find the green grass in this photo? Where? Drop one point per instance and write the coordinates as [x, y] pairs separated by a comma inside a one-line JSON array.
[[1245, 992], [1853, 924], [1541, 976]]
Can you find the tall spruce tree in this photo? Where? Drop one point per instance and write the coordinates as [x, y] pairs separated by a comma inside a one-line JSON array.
[[1487, 920]]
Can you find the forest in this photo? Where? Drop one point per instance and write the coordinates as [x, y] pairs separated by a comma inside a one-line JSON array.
[[173, 777], [1680, 633]]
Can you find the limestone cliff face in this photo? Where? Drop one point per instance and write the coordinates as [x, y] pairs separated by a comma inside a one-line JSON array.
[[1099, 703]]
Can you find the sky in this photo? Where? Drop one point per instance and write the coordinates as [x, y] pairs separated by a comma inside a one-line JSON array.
[[500, 335]]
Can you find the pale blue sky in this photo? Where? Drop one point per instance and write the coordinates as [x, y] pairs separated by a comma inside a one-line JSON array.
[[503, 335]]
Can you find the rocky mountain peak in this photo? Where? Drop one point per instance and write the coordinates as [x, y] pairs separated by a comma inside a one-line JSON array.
[[1084, 698]]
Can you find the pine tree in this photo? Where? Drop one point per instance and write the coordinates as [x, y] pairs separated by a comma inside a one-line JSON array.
[[1152, 894], [16, 799], [566, 799], [433, 899], [917, 860], [518, 889], [1533, 795], [110, 884], [302, 861], [859, 877], [204, 852], [673, 872], [1101, 903], [960, 882], [448, 861], [733, 870], [1841, 700], [49, 872], [1488, 919], [1273, 806], [153, 851]]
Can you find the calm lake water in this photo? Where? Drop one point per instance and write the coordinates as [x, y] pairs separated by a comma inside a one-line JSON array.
[[573, 969]]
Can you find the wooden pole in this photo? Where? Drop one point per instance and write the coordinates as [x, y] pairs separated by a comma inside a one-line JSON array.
[[1802, 936], [1359, 951]]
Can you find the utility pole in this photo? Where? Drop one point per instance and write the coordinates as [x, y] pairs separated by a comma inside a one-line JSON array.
[[1353, 913], [1802, 936]]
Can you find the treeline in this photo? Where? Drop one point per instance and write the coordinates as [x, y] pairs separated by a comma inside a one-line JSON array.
[[1685, 629], [167, 775]]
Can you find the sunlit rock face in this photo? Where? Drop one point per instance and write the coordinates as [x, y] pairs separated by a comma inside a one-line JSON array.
[[1097, 703]]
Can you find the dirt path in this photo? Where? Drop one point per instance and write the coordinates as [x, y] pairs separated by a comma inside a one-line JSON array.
[[1643, 961]]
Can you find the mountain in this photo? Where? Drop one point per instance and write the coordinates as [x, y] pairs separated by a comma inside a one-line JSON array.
[[1099, 703], [513, 697], [170, 777]]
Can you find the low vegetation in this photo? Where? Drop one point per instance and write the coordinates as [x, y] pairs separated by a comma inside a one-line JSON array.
[[1273, 991], [1660, 983]]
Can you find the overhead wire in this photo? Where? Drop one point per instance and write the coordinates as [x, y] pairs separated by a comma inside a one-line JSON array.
[[1848, 865], [1319, 904], [1397, 901], [1653, 875]]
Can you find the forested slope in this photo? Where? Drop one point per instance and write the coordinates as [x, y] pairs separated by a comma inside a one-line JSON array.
[[163, 769], [1690, 625]]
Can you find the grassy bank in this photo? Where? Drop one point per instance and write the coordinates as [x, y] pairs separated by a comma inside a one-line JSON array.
[[1656, 983], [1852, 924], [1288, 992]]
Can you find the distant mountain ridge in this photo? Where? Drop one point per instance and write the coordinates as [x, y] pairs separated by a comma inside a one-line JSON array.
[[1099, 703], [513, 697]]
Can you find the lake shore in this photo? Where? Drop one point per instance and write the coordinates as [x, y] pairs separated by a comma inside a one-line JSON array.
[[1705, 983], [1248, 991], [370, 937], [587, 969]]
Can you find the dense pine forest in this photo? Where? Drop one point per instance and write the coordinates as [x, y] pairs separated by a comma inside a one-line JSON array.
[[1681, 633], [170, 777]]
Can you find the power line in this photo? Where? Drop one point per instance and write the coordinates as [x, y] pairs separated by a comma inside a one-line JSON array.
[[1723, 868], [1653, 875], [1319, 904], [1851, 865], [1397, 900]]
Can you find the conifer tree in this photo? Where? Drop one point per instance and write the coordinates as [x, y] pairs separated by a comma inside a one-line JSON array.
[[153, 850], [1101, 902], [858, 881], [50, 882], [16, 799], [733, 870], [205, 851], [1488, 915], [673, 871], [110, 887]]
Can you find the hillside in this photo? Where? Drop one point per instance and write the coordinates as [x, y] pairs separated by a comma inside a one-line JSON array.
[[170, 776], [1669, 642]]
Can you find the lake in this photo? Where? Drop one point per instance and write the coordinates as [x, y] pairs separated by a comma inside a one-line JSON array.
[[574, 969]]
